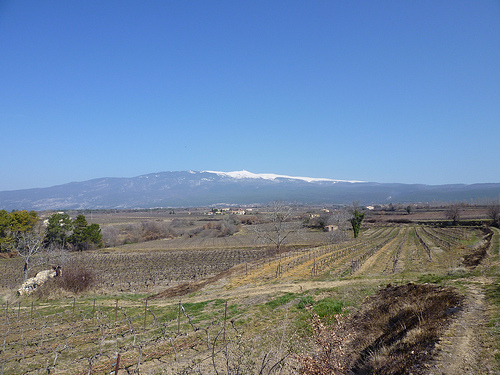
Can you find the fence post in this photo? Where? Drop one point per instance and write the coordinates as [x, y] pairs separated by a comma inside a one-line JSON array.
[[117, 364], [93, 312], [179, 320], [225, 319], [145, 313], [116, 311]]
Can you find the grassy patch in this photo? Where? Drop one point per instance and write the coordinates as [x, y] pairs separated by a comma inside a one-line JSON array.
[[438, 279], [305, 301], [354, 295], [492, 291], [168, 314], [195, 308], [131, 297], [234, 310], [282, 300], [327, 308], [302, 324]]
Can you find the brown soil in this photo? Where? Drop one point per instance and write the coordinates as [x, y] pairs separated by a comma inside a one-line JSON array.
[[478, 253], [462, 348], [186, 288], [8, 255], [395, 332]]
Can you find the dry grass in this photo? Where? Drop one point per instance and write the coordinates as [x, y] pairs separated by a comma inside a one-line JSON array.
[[395, 332]]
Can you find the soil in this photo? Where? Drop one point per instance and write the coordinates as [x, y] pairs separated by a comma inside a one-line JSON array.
[[462, 347], [395, 332]]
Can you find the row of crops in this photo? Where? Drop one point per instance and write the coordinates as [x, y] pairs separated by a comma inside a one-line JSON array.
[[404, 248], [85, 337], [381, 251], [146, 271]]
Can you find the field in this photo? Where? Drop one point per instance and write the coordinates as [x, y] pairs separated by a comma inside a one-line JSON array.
[[404, 297]]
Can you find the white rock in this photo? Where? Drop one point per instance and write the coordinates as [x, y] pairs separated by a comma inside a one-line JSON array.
[[34, 282]]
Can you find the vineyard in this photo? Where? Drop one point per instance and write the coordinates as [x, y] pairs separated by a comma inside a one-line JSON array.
[[149, 271], [247, 317]]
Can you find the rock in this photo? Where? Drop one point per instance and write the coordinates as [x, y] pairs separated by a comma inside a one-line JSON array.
[[34, 282]]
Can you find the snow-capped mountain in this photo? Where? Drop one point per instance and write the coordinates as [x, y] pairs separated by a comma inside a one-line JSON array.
[[194, 188], [272, 176]]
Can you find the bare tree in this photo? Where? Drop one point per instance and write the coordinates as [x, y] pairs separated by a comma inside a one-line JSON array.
[[493, 212], [55, 256], [453, 213], [110, 236], [228, 226], [278, 225], [339, 222], [28, 245]]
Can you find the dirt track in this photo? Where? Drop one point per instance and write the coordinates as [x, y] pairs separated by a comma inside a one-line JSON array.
[[463, 343]]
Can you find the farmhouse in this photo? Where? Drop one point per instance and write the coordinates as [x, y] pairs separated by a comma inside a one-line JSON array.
[[331, 228], [239, 211]]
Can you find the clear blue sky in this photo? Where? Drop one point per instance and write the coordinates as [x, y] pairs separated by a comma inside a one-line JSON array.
[[385, 91]]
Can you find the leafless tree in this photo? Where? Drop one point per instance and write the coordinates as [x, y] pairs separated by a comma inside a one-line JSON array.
[[229, 225], [339, 220], [110, 236], [493, 211], [453, 212], [278, 225], [55, 256], [28, 245]]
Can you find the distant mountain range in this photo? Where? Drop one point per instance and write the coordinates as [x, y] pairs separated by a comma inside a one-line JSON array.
[[190, 189]]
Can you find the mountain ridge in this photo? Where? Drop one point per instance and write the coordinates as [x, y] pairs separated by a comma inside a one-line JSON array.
[[205, 188]]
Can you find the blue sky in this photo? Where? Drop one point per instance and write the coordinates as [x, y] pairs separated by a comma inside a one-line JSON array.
[[385, 91]]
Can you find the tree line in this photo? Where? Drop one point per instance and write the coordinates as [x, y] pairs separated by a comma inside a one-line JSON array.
[[60, 231], [23, 233], [74, 234], [12, 224]]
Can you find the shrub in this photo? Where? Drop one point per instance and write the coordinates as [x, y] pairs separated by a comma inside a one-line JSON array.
[[76, 278]]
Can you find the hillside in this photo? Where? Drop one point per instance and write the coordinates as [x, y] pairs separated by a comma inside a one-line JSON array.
[[190, 188]]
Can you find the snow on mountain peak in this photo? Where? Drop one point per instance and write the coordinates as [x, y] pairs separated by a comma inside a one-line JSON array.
[[271, 176]]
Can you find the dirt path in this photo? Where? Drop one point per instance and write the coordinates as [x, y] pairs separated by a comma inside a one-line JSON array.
[[462, 345]]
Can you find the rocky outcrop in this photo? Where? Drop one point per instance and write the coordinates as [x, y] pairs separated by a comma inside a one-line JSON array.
[[32, 283]]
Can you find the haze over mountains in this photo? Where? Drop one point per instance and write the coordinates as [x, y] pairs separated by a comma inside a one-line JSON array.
[[194, 188]]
